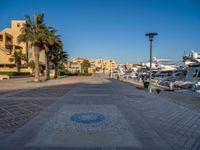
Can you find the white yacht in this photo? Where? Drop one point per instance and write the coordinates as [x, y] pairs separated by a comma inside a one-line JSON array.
[[161, 64], [192, 58]]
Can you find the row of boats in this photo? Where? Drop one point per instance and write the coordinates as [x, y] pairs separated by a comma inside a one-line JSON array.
[[168, 75]]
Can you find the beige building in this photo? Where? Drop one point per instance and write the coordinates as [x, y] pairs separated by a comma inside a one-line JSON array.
[[9, 44], [73, 66], [97, 65], [105, 65]]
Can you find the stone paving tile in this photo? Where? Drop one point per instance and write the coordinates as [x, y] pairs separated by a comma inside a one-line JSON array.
[[15, 113], [14, 122], [176, 124], [3, 113], [41, 93], [54, 91], [6, 92], [158, 123]]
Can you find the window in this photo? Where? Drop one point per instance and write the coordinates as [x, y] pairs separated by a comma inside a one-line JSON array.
[[8, 40], [199, 74], [195, 73], [18, 25], [178, 74], [1, 37]]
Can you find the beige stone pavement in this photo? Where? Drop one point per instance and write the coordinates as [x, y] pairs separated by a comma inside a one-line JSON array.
[[135, 119], [21, 99], [8, 86]]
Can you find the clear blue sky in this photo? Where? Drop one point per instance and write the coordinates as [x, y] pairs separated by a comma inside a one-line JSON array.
[[116, 28]]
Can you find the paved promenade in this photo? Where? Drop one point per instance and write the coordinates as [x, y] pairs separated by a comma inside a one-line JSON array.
[[95, 113]]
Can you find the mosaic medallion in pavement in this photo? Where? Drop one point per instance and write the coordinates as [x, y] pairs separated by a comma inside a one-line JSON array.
[[62, 130]]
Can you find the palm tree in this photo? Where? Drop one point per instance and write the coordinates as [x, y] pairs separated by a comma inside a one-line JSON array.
[[17, 58], [57, 56], [33, 32], [49, 41]]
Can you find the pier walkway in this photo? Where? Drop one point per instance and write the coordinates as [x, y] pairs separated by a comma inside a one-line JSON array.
[[95, 113]]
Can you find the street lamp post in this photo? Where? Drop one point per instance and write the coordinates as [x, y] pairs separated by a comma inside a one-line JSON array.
[[150, 35]]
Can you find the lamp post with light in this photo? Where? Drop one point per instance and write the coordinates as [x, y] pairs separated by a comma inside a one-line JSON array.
[[151, 36]]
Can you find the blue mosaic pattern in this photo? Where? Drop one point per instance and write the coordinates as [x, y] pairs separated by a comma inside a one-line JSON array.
[[98, 118]]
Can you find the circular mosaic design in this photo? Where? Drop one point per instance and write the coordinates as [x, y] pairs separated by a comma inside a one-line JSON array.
[[88, 118]]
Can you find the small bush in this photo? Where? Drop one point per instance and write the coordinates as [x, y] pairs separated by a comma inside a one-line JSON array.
[[85, 74], [14, 73], [72, 74], [65, 72], [62, 72]]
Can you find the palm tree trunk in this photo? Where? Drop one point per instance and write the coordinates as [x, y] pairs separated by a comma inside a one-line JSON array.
[[55, 71], [47, 76], [18, 67], [37, 68]]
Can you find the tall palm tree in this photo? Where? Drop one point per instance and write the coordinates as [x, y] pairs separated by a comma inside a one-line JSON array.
[[17, 58], [33, 32], [57, 56], [49, 41]]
